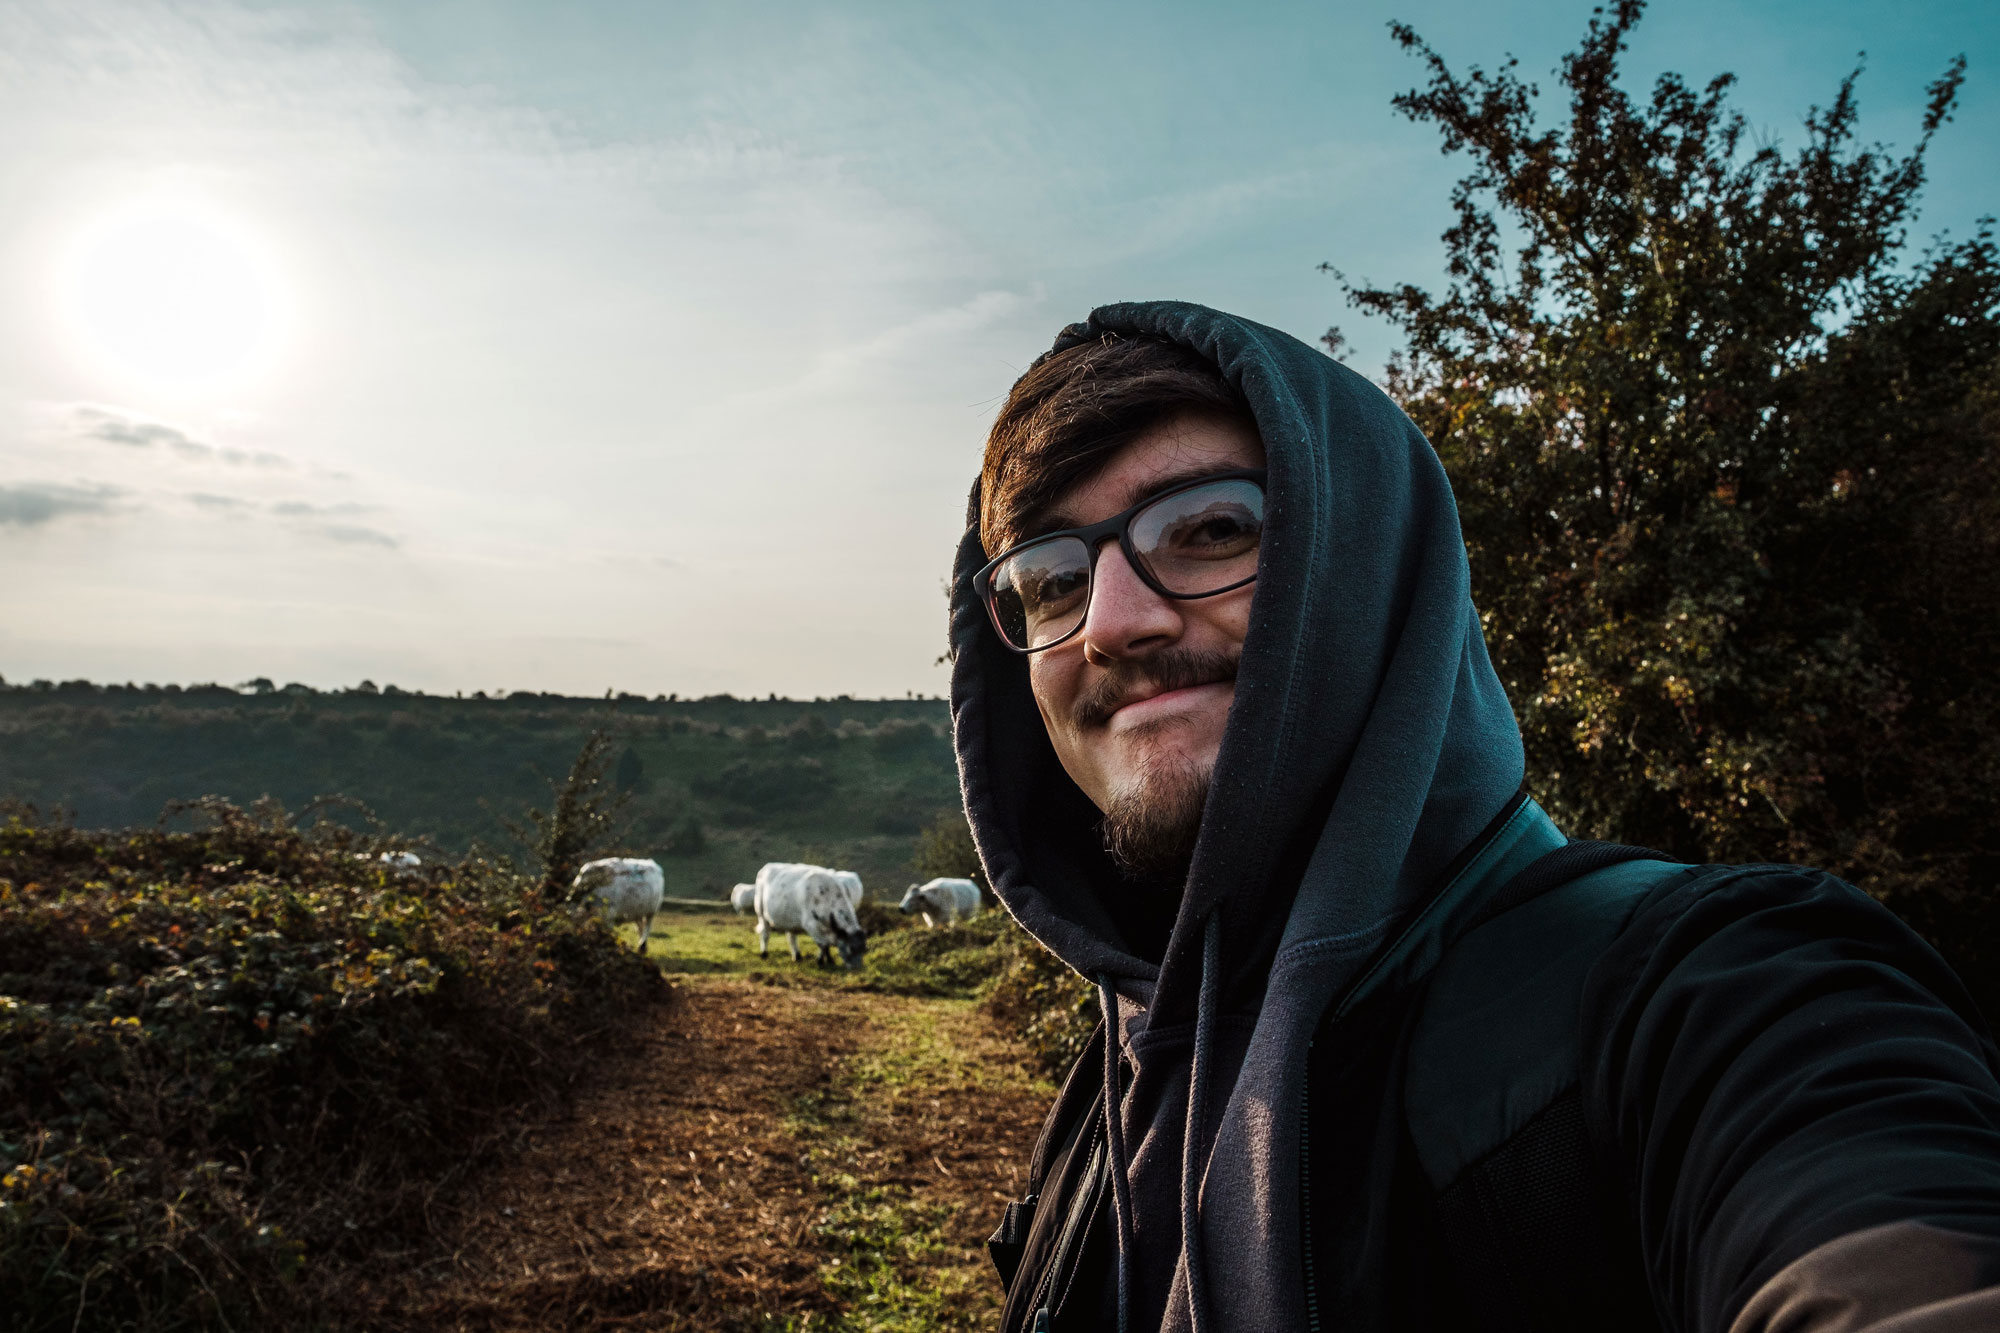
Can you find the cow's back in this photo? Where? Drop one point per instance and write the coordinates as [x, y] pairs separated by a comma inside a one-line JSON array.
[[780, 895]]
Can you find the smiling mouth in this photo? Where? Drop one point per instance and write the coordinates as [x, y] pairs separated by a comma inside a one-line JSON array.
[[1138, 684], [1167, 703]]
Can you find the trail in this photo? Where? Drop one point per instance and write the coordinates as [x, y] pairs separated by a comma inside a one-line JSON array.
[[767, 1157]]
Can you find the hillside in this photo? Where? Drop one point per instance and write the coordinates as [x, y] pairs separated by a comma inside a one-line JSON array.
[[718, 785]]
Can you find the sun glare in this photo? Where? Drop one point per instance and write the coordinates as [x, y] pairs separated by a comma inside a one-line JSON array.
[[172, 294]]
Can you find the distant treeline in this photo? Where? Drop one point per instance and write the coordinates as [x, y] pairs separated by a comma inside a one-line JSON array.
[[717, 785]]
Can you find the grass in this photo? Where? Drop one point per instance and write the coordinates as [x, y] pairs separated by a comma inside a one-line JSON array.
[[903, 957], [903, 1246], [899, 1144]]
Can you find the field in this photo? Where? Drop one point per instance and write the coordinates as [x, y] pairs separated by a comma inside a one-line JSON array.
[[716, 786], [836, 1162], [251, 1077]]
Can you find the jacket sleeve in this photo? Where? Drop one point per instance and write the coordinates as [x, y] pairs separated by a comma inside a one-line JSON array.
[[1801, 1101]]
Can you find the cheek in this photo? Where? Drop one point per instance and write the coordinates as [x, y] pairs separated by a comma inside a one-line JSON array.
[[1053, 680]]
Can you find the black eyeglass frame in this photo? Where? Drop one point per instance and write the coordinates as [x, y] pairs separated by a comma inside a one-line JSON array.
[[1092, 535]]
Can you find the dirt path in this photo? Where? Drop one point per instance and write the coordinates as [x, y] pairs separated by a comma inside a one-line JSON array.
[[769, 1158]]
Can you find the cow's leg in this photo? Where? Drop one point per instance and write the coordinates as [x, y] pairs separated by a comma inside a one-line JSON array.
[[792, 938], [763, 938], [645, 932], [928, 923]]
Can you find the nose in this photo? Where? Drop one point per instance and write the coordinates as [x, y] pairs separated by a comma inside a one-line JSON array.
[[1126, 618]]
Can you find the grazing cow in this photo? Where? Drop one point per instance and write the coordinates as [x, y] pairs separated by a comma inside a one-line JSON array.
[[628, 888], [808, 900], [848, 879], [401, 863], [945, 900], [743, 898]]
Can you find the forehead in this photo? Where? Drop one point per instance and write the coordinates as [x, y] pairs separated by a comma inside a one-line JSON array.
[[1175, 451]]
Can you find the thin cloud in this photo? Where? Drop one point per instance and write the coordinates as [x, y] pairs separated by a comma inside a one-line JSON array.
[[304, 509], [33, 504], [354, 534], [132, 431], [218, 504]]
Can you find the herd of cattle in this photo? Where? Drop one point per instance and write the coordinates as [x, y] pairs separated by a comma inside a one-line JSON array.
[[788, 897]]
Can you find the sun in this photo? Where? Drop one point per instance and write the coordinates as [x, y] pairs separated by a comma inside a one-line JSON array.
[[173, 294]]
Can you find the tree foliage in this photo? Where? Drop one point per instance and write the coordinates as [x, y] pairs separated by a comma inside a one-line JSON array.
[[1724, 453], [581, 819]]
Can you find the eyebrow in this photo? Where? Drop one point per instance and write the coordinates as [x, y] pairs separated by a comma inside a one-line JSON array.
[[1056, 519]]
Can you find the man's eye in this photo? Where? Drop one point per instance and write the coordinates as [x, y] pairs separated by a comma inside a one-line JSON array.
[[1214, 532], [1054, 591]]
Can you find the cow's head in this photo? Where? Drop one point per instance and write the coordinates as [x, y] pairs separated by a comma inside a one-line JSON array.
[[852, 944], [913, 900]]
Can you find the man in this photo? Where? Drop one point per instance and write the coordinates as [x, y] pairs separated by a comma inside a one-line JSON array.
[[1385, 1050]]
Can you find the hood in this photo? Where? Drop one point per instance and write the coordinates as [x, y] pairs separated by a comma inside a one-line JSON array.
[[1369, 745]]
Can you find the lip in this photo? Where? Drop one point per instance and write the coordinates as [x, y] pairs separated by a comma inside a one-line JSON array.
[[1156, 707]]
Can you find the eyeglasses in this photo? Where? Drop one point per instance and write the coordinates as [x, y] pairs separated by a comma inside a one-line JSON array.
[[1195, 540]]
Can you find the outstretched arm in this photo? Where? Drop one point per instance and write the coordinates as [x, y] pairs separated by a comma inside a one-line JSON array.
[[1804, 1105]]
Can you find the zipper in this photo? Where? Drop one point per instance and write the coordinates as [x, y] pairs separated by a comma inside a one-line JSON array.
[[1305, 1192], [1082, 1204]]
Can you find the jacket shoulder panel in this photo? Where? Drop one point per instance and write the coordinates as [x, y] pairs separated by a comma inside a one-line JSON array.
[[1498, 1037]]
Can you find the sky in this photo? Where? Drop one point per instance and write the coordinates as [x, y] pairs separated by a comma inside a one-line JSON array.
[[486, 344]]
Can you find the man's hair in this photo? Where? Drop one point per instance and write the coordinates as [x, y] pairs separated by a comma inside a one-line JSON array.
[[1068, 415]]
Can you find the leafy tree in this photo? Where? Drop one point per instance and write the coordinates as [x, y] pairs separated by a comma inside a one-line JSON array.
[[581, 819], [1724, 448]]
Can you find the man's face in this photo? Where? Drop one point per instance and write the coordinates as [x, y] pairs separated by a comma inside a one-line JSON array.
[[1136, 703]]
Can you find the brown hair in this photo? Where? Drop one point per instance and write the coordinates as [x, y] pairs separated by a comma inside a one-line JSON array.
[[1068, 415]]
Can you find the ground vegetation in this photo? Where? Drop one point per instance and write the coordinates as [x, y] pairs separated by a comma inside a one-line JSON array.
[[240, 1062]]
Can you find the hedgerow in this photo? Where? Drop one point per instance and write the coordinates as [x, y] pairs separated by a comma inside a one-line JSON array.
[[238, 1062]]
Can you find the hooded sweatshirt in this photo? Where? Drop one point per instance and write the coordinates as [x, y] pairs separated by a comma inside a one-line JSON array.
[[1370, 748], [1368, 744]]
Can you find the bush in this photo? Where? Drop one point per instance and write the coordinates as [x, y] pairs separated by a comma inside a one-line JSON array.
[[236, 1059], [960, 961], [945, 851], [1053, 1008], [768, 784]]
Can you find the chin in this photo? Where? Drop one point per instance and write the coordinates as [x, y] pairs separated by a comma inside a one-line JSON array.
[[1171, 751]]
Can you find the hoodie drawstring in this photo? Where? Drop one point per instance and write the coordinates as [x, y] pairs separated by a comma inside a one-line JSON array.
[[1192, 1154], [1114, 1138]]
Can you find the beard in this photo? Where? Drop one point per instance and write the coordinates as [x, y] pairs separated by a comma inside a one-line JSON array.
[[1152, 823]]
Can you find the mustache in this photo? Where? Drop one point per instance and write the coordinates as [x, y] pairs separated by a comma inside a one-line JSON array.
[[1168, 669]]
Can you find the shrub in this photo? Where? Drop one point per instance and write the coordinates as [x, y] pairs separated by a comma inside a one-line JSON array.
[[945, 850], [768, 784], [235, 1060], [959, 961], [1053, 1008], [905, 738]]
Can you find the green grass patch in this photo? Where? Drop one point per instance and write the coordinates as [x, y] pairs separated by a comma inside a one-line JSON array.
[[892, 1261]]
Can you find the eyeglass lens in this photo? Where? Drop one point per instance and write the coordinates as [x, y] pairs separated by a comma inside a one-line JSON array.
[[1196, 541]]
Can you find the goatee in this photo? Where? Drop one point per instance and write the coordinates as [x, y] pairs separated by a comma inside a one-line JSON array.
[[1151, 825]]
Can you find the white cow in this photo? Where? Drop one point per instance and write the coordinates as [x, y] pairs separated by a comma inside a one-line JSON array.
[[945, 900], [629, 888], [847, 878], [808, 900], [743, 898], [401, 863]]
